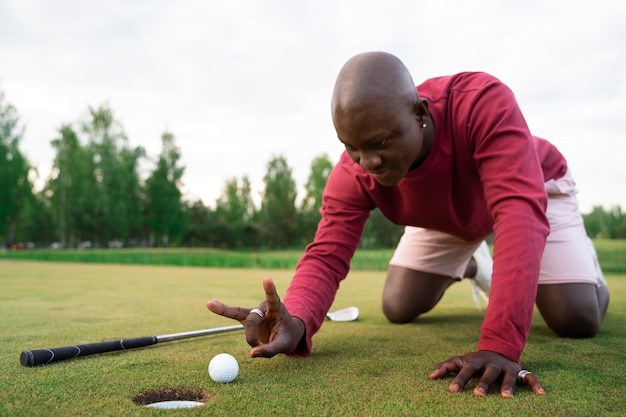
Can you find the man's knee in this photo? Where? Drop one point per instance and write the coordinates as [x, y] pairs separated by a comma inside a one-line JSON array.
[[576, 326], [570, 310], [408, 293], [400, 314]]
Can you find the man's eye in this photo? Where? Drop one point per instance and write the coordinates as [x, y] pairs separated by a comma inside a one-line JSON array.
[[384, 142]]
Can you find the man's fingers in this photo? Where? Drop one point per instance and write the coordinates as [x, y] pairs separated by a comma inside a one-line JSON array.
[[465, 374], [262, 351], [533, 382], [235, 313], [253, 322], [508, 385], [269, 328], [271, 296], [490, 367], [487, 379], [444, 368], [269, 350]]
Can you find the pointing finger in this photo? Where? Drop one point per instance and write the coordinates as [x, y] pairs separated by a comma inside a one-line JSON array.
[[236, 313]]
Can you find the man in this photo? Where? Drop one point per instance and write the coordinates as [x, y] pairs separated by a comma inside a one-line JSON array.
[[454, 161]]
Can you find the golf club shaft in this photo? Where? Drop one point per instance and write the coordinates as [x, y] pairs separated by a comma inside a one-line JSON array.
[[45, 356]]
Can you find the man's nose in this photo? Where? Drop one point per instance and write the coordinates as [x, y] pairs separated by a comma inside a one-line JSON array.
[[369, 161]]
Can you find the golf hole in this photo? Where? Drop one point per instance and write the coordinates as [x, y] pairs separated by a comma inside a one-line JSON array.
[[172, 398]]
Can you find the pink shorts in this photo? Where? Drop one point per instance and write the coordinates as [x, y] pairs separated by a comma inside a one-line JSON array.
[[569, 256]]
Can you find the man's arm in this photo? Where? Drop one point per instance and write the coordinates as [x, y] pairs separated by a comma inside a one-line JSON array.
[[513, 185], [512, 181], [326, 261]]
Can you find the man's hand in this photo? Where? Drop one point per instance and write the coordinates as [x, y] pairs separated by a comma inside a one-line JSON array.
[[489, 367], [270, 329]]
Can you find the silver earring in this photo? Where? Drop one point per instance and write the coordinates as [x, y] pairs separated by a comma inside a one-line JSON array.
[[424, 126]]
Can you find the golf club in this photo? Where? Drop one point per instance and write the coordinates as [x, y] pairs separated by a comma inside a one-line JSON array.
[[37, 357]]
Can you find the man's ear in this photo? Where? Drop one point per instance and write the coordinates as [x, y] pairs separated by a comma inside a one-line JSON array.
[[421, 110]]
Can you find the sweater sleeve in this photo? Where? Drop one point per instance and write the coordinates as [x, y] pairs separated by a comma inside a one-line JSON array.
[[513, 184], [326, 261]]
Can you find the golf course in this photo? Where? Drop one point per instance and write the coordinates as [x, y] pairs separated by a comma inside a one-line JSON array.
[[366, 367]]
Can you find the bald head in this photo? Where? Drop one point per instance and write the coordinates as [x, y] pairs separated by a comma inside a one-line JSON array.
[[372, 77], [379, 117]]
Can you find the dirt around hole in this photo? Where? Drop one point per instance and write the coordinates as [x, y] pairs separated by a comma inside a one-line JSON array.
[[172, 394]]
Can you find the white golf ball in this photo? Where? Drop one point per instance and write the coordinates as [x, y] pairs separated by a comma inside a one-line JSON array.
[[223, 368]]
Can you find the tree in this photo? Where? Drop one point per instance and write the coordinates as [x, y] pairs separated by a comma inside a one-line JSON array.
[[595, 223], [117, 197], [15, 187], [278, 216], [310, 208], [380, 232], [200, 225], [36, 221], [71, 188], [166, 212], [236, 210], [607, 224]]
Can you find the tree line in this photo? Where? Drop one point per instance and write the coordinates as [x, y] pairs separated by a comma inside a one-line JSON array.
[[604, 223], [94, 196]]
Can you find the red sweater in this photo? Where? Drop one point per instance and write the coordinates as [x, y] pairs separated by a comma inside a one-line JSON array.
[[484, 174]]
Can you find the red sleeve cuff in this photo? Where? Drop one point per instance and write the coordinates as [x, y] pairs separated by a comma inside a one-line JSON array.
[[502, 348]]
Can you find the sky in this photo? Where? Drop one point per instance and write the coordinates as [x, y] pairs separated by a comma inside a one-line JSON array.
[[242, 81]]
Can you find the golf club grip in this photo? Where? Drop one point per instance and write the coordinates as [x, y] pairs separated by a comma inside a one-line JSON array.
[[45, 356]]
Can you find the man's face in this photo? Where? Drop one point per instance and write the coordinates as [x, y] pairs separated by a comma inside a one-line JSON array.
[[383, 138]]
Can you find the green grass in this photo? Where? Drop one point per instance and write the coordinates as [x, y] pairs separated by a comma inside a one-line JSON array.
[[363, 368], [215, 258], [611, 253]]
